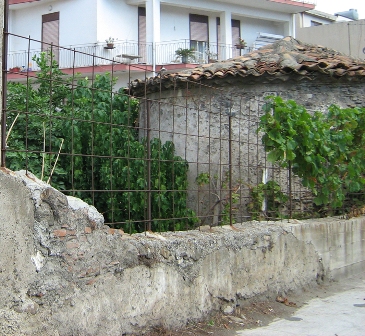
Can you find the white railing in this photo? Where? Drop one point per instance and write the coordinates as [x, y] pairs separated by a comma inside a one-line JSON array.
[[311, 2], [98, 54], [203, 52], [84, 56]]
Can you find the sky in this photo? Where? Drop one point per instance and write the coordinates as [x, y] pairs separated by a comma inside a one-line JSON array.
[[334, 6]]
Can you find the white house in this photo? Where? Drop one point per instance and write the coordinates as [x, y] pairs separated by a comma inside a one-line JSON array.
[[313, 18], [151, 29]]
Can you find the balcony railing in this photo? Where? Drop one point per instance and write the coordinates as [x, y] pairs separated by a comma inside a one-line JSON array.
[[83, 56], [309, 2], [204, 52], [100, 54]]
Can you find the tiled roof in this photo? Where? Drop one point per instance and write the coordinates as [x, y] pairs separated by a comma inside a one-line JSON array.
[[280, 60]]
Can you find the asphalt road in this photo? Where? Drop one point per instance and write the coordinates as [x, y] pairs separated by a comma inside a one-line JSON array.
[[339, 314]]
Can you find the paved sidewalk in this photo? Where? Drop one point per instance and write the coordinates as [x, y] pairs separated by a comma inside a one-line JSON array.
[[341, 314]]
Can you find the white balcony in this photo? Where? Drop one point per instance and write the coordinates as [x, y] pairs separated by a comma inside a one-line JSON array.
[[99, 54]]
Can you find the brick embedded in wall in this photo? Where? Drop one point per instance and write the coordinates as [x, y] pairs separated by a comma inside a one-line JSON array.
[[62, 233]]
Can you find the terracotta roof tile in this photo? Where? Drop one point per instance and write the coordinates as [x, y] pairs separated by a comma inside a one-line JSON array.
[[287, 56]]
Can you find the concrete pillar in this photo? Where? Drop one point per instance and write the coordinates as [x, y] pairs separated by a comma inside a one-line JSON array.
[[153, 27], [226, 33], [292, 26], [153, 21]]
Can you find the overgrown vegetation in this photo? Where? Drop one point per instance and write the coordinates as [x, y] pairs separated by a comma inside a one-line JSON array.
[[95, 131], [270, 193], [326, 150]]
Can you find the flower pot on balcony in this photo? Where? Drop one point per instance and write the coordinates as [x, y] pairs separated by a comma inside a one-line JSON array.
[[109, 43], [185, 54], [14, 69], [240, 46]]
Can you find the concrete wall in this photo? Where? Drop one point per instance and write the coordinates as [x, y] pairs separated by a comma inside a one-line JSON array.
[[346, 37], [339, 243], [63, 272]]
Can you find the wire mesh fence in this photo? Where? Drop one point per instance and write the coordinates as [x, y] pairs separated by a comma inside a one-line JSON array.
[[168, 160]]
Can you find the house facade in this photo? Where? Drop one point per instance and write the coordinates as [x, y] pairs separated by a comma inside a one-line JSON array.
[[145, 33], [313, 18]]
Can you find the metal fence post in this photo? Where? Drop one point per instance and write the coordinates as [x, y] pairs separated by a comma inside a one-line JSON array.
[[230, 166], [290, 193], [4, 79], [148, 129]]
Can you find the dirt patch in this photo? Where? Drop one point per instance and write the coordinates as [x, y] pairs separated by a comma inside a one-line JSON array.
[[254, 313]]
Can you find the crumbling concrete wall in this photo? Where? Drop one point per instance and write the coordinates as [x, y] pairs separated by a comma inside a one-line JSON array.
[[64, 273]]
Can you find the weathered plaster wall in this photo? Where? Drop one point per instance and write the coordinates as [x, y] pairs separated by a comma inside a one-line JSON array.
[[196, 119], [64, 273]]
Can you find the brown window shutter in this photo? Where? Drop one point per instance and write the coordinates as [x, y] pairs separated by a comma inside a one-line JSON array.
[[142, 33], [50, 33], [142, 25], [219, 38], [236, 31], [199, 28], [51, 17]]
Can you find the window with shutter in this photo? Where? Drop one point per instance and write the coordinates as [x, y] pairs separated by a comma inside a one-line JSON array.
[[142, 34], [219, 39], [50, 33], [236, 33], [199, 35]]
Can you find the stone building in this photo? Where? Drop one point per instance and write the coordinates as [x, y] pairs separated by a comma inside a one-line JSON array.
[[211, 113]]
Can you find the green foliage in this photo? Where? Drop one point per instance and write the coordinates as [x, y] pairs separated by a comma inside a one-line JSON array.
[[271, 191], [203, 179], [325, 150], [187, 52], [99, 128]]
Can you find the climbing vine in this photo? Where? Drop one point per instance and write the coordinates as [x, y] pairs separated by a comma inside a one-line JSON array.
[[326, 150]]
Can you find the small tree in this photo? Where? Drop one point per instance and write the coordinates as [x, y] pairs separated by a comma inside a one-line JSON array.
[[95, 128]]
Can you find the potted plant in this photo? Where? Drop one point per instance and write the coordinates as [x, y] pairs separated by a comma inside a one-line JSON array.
[[15, 69], [185, 54], [110, 42], [242, 44]]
